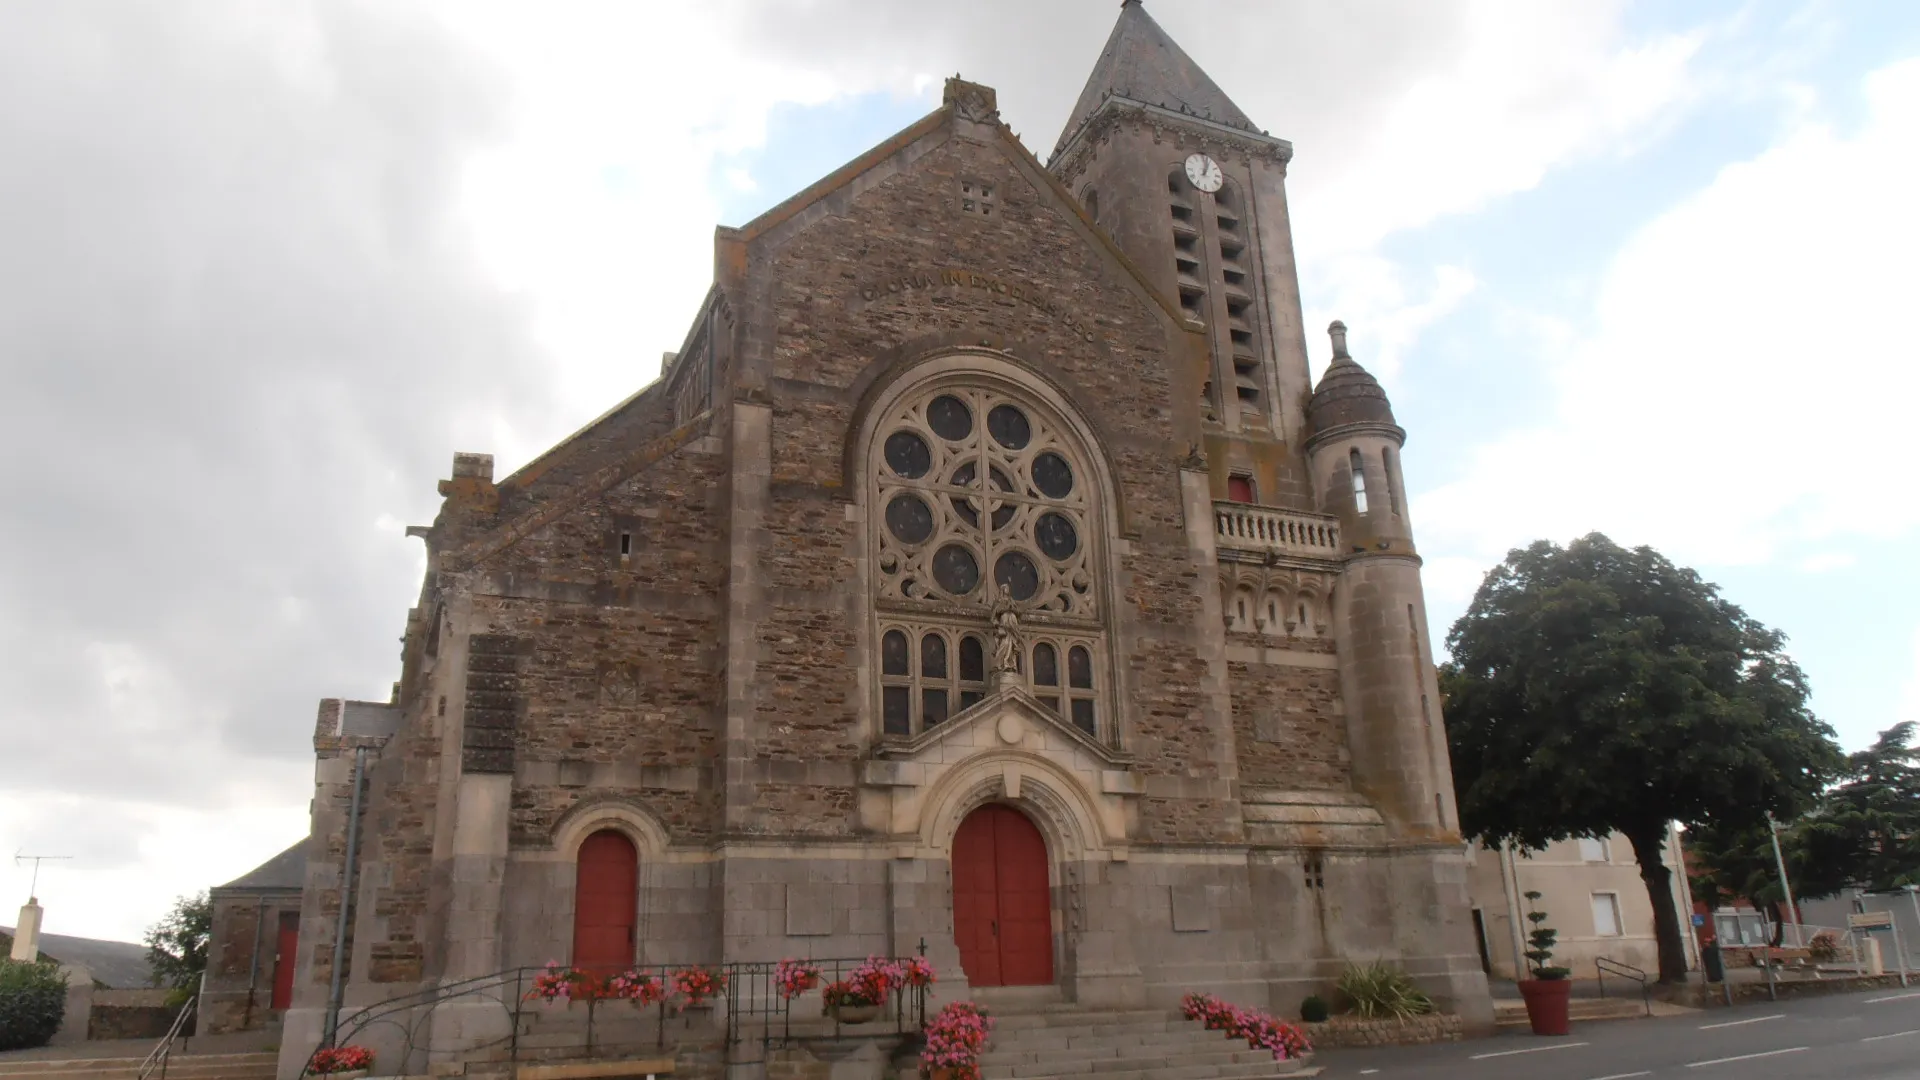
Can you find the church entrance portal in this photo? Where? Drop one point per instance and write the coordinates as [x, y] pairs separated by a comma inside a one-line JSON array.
[[1002, 906], [605, 898]]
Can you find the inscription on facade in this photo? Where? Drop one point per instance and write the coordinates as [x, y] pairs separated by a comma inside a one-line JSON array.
[[941, 279]]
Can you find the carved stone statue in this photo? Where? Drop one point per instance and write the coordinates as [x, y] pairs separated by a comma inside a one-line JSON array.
[[1006, 633]]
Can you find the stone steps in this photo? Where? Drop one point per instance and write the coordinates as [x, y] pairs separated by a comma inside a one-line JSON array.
[[1063, 1042], [257, 1066], [1514, 1013]]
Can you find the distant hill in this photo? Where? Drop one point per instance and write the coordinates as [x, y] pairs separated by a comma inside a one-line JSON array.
[[121, 965]]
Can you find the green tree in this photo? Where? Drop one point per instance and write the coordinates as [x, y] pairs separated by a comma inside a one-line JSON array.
[[1865, 832], [177, 944], [1595, 689], [33, 1001]]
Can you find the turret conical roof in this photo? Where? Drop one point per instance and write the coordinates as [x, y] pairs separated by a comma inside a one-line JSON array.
[[1143, 64], [1348, 393]]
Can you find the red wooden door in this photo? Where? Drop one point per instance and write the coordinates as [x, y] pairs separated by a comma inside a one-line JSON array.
[[605, 897], [286, 950], [1002, 906]]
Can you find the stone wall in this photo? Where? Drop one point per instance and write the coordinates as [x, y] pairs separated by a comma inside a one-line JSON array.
[[1289, 729], [130, 1014], [1353, 1031]]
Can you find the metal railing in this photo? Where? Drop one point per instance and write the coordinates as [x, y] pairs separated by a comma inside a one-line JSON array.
[[1604, 967], [753, 1011], [156, 1062]]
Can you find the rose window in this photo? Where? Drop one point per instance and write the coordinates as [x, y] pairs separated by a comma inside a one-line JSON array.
[[976, 493]]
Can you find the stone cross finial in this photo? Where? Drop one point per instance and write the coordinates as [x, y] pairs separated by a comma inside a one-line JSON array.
[[1338, 331]]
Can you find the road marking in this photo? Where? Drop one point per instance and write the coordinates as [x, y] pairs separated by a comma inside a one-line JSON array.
[[1528, 1050], [1622, 1076], [1746, 1057], [1895, 1035], [1368, 1072], [1737, 1023], [1893, 997]]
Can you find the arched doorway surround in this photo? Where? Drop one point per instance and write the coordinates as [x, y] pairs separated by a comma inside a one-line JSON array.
[[1002, 902], [606, 902]]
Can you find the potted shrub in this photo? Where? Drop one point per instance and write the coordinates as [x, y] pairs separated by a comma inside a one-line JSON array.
[[1547, 992], [1314, 1010]]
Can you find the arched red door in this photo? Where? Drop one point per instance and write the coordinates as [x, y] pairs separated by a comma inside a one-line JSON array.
[[606, 895], [1002, 906]]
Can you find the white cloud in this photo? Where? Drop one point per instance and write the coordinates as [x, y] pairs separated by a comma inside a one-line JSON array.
[[1908, 711], [1743, 389]]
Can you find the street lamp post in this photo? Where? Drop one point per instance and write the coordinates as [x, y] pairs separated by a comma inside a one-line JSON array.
[[1773, 832]]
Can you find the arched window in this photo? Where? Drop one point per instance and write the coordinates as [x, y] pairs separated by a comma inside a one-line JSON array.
[[1393, 489], [1359, 472], [977, 493], [1090, 199]]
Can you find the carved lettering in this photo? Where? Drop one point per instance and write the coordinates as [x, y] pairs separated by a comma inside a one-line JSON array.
[[954, 277]]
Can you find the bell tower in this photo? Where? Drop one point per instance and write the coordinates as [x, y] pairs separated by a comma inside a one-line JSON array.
[[1195, 194]]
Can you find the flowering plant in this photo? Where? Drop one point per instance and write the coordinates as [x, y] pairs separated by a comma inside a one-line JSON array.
[[796, 977], [868, 984], [955, 1038], [917, 971], [557, 982], [636, 985], [697, 984], [337, 1059], [1260, 1030]]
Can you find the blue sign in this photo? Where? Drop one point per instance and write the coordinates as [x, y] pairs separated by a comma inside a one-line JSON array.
[[1699, 919]]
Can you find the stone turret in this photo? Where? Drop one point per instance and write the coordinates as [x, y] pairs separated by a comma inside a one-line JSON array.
[[1386, 670]]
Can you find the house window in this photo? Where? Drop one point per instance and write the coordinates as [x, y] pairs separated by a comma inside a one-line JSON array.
[[1606, 914], [1393, 489], [976, 198], [1240, 489], [1592, 850], [1359, 472]]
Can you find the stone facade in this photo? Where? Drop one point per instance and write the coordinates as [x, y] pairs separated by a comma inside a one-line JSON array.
[[713, 623]]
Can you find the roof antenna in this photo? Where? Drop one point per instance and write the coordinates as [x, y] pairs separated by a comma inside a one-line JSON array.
[[33, 889]]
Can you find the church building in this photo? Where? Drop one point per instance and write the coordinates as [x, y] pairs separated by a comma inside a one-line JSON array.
[[983, 573]]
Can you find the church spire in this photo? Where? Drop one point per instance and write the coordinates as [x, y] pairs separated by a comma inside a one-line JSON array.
[[1141, 63]]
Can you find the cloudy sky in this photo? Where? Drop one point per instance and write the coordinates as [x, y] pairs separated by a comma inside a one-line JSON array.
[[1635, 268]]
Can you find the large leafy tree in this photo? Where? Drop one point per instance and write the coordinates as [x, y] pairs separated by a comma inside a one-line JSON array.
[[1595, 689], [1865, 831], [177, 944]]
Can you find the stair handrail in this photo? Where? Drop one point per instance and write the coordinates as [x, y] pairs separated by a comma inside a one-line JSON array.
[[1602, 966], [161, 1053]]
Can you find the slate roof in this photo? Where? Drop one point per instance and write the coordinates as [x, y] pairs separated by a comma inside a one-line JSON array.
[[121, 965], [287, 870], [1143, 64]]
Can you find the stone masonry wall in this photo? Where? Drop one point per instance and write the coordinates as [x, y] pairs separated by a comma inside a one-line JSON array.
[[1288, 727], [865, 286]]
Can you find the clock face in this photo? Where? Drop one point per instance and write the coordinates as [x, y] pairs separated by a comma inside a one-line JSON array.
[[1205, 173]]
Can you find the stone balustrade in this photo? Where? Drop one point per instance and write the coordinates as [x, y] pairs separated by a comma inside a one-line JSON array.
[[1264, 528]]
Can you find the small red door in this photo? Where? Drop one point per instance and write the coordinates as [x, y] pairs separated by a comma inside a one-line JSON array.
[[1002, 905], [286, 950], [605, 897]]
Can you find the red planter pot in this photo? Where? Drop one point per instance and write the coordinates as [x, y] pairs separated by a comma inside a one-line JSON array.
[[1547, 1004]]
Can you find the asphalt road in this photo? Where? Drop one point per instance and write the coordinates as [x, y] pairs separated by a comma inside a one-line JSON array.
[[1865, 1036]]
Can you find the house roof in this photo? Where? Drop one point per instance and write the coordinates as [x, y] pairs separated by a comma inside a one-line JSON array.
[[1141, 63], [287, 870], [121, 965]]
